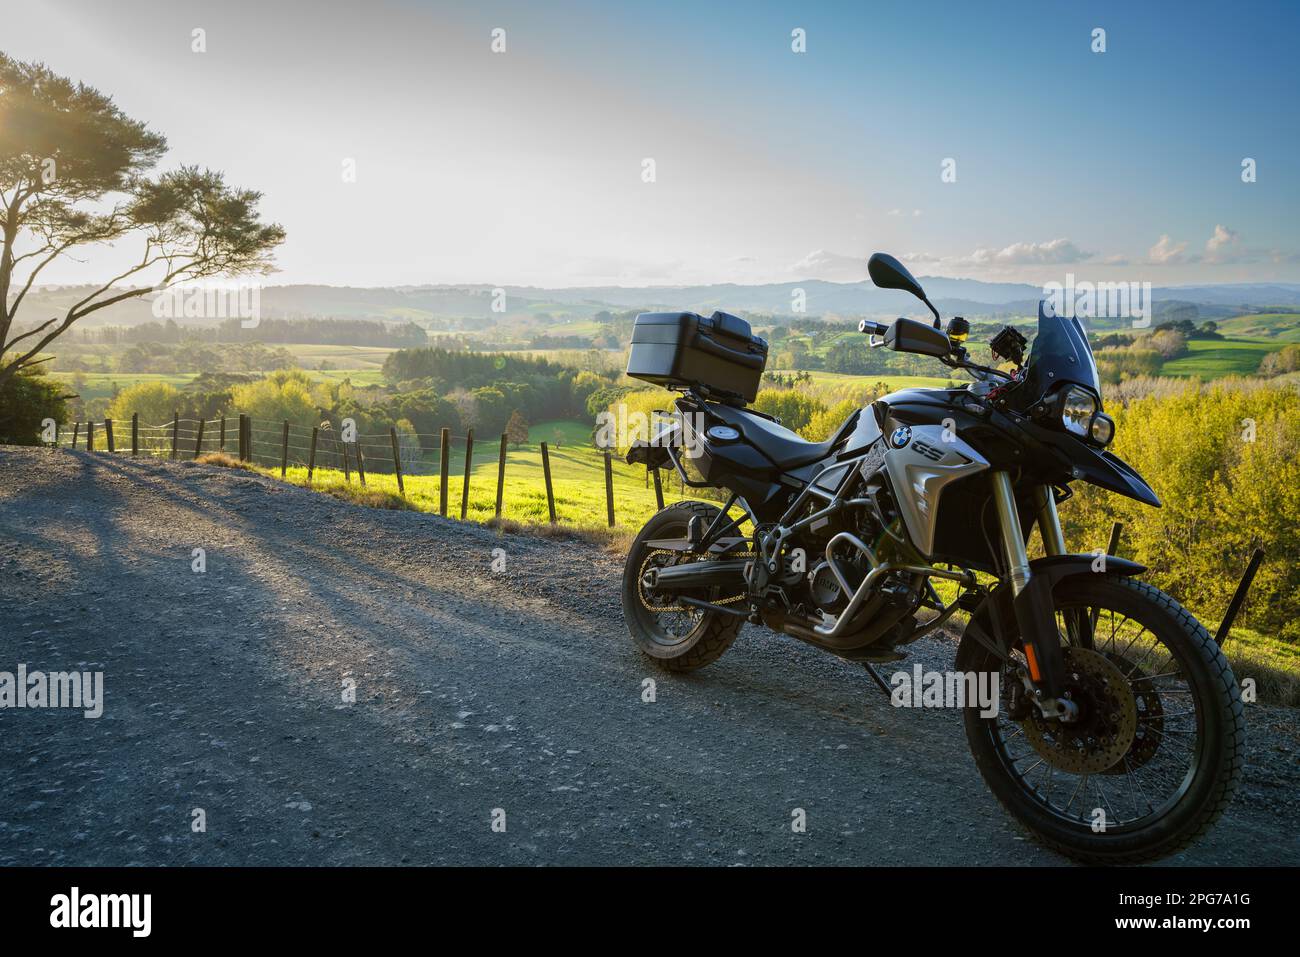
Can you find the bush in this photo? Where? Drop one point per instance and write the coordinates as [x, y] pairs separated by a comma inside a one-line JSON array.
[[282, 395], [156, 402], [794, 408], [1222, 459], [827, 422], [26, 401]]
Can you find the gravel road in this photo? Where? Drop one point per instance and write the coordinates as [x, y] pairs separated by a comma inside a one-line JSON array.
[[476, 692]]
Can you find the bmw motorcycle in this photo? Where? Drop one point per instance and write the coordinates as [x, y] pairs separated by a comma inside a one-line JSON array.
[[1119, 732]]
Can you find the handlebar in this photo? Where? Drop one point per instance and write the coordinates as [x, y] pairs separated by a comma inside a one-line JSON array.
[[872, 328]]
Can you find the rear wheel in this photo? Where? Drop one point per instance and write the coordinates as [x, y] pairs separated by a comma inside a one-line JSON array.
[[1154, 756], [675, 636]]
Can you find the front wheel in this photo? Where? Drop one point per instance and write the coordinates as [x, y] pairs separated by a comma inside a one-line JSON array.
[[1154, 755], [676, 637]]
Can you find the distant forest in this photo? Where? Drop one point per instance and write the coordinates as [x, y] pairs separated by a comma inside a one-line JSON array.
[[333, 332]]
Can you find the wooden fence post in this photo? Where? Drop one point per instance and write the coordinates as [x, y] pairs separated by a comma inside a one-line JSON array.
[[311, 458], [198, 438], [90, 436], [444, 461], [108, 435], [284, 451], [176, 431], [546, 473], [464, 492], [1115, 529], [659, 491], [361, 463], [347, 469], [222, 446], [501, 473], [76, 430], [243, 440], [397, 462], [609, 489], [135, 433]]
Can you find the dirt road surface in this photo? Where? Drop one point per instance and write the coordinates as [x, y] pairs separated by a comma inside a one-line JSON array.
[[476, 692]]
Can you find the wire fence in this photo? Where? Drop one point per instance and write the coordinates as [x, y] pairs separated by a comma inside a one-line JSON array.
[[442, 471]]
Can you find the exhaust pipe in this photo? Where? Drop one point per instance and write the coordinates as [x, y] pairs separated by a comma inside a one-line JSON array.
[[697, 575]]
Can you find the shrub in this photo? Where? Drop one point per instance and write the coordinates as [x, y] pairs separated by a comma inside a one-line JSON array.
[[156, 402], [793, 407], [1222, 459], [27, 400], [282, 395]]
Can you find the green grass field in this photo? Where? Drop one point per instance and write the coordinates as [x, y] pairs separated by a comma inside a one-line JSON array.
[[99, 385], [1216, 358], [344, 358], [1276, 325], [577, 478]]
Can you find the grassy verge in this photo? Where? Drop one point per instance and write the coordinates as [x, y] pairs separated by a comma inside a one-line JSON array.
[[1272, 664]]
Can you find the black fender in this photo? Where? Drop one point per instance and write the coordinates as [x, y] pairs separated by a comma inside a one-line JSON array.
[[1034, 615], [1093, 465], [1107, 470]]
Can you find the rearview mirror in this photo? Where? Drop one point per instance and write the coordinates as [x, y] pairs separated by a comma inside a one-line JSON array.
[[888, 273], [908, 335]]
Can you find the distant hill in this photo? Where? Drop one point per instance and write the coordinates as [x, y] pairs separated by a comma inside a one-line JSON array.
[[439, 304]]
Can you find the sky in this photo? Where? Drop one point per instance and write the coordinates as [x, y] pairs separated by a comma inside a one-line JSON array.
[[529, 166]]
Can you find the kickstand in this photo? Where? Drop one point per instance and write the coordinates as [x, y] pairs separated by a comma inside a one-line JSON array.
[[871, 670]]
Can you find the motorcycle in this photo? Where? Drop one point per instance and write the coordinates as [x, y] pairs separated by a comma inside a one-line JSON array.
[[1119, 732]]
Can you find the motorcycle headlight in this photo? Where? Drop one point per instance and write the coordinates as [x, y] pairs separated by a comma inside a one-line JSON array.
[[1078, 406], [1101, 429]]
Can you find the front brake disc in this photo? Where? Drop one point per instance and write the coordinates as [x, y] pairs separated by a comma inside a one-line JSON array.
[[1150, 711], [1107, 723]]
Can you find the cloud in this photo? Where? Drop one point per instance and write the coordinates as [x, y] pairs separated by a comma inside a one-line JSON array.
[[1225, 246], [1222, 248], [1052, 252], [1166, 251], [836, 267]]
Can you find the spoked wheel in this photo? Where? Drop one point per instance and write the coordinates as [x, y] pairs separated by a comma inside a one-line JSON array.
[[676, 636], [1153, 757]]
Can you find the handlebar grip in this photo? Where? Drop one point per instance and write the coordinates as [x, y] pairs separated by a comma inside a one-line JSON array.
[[872, 328]]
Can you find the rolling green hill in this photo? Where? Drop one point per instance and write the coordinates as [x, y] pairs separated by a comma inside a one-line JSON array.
[[1215, 358]]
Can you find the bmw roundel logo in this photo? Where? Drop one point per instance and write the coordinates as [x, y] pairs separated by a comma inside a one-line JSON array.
[[902, 435]]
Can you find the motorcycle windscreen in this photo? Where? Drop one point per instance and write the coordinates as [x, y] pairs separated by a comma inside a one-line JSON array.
[[1060, 353]]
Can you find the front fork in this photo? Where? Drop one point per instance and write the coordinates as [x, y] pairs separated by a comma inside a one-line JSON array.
[[1032, 598]]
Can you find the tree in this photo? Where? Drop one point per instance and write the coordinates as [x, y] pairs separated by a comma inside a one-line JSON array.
[[285, 394], [74, 171], [517, 429], [156, 402], [26, 401], [793, 408]]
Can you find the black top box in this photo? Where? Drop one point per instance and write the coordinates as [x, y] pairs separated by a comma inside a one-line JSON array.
[[718, 354]]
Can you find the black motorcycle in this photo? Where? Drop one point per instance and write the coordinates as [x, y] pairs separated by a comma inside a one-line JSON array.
[[1118, 734]]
